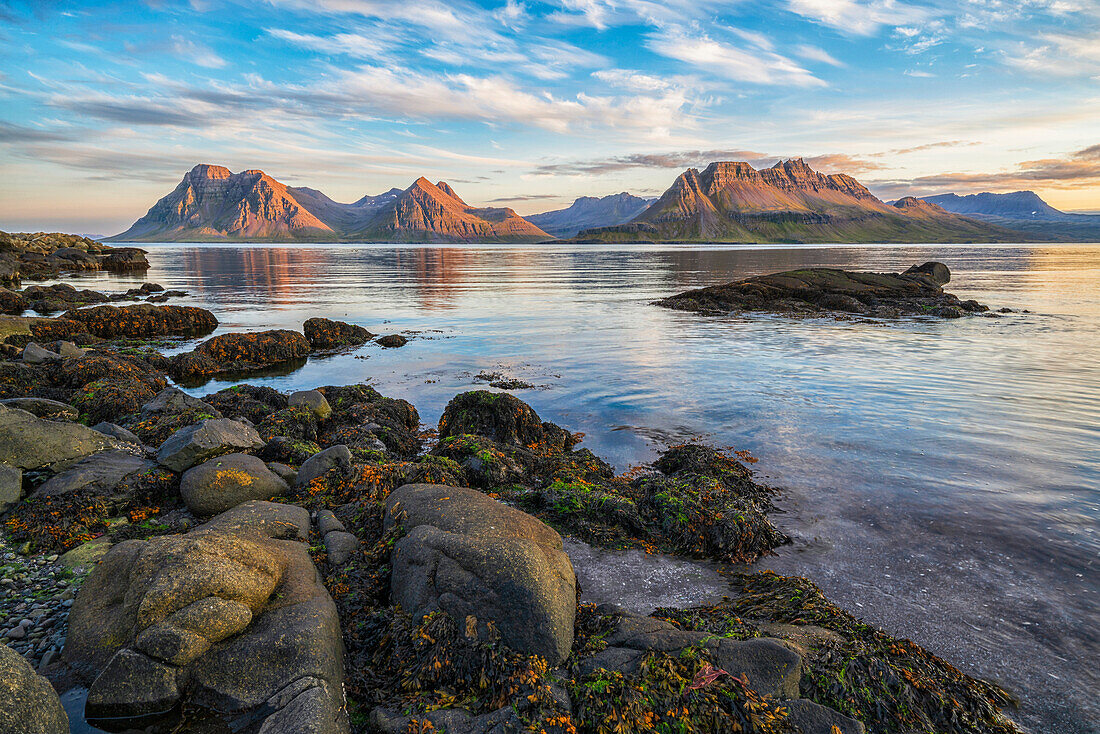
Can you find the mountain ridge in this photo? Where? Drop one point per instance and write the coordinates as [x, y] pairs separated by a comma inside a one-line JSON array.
[[213, 203], [587, 212], [1024, 211]]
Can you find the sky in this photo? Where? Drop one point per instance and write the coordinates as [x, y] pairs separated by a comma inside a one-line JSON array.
[[105, 105]]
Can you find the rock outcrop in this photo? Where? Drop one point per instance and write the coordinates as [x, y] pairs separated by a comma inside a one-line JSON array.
[[916, 292], [483, 563], [324, 334], [42, 255], [231, 617], [241, 352], [143, 320], [30, 442]]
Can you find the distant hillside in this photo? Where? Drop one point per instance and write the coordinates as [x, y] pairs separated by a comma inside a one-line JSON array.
[[589, 212], [1023, 211], [789, 202], [213, 203]]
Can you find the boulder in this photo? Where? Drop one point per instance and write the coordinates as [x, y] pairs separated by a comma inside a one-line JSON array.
[[327, 334], [813, 718], [12, 302], [28, 703], [313, 400], [937, 271], [144, 320], [470, 556], [30, 442], [231, 617], [254, 402], [172, 400], [392, 340], [772, 668], [11, 487], [102, 474], [255, 349], [118, 433], [215, 437], [503, 418], [68, 350], [224, 482], [321, 463], [86, 555], [35, 354], [339, 546], [43, 408]]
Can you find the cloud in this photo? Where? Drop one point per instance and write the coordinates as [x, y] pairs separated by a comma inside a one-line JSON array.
[[132, 110], [813, 53], [856, 16], [12, 133], [1080, 169], [634, 81], [356, 45], [758, 65], [526, 197], [826, 163], [196, 53], [1059, 54]]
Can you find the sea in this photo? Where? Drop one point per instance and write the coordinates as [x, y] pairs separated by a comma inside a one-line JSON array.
[[939, 478]]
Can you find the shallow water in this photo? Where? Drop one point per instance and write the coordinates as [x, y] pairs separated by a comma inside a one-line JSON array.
[[941, 478]]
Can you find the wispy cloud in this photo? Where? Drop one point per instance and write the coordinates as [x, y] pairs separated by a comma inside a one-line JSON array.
[[861, 17], [757, 64], [197, 53]]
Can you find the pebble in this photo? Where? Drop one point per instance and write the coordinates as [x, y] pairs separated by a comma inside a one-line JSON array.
[[35, 597]]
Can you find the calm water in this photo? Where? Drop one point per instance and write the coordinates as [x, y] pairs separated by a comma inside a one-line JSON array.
[[942, 479]]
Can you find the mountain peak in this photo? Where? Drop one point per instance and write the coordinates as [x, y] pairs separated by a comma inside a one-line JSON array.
[[209, 171]]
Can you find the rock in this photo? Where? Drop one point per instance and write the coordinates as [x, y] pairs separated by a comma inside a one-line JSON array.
[[254, 402], [144, 320], [449, 721], [392, 340], [196, 443], [312, 400], [11, 487], [503, 418], [34, 354], [771, 667], [287, 473], [103, 475], [43, 408], [327, 523], [334, 457], [28, 703], [235, 608], [624, 660], [29, 442], [813, 718], [937, 271], [86, 555], [340, 546], [327, 334], [471, 556], [224, 482], [117, 432], [362, 418], [12, 302], [68, 350], [172, 400], [255, 349]]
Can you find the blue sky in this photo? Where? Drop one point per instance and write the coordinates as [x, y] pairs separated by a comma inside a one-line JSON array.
[[104, 105]]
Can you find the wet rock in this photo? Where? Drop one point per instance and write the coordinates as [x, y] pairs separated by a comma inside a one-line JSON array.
[[197, 443], [287, 473], [102, 475], [813, 718], [43, 408], [362, 418], [299, 423], [312, 400], [11, 487], [339, 546], [327, 523], [231, 617], [117, 432], [255, 349], [771, 668], [937, 271], [35, 354], [30, 442], [68, 350], [334, 457], [505, 419], [286, 450], [172, 400], [144, 320], [254, 402], [86, 555], [471, 556], [621, 659], [391, 340], [28, 703], [12, 302], [224, 482], [327, 334]]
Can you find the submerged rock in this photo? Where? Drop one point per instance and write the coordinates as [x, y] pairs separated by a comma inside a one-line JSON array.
[[916, 292], [483, 563]]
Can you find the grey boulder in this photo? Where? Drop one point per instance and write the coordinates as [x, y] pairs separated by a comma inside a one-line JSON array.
[[11, 487], [172, 400], [43, 408], [34, 354], [472, 557], [313, 401], [196, 443], [104, 475], [28, 703], [117, 432], [321, 463], [222, 483], [813, 718], [30, 442]]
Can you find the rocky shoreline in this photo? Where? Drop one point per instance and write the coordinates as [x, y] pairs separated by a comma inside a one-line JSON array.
[[322, 562]]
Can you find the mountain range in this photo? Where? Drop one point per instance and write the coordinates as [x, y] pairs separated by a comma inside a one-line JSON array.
[[213, 203], [726, 202], [1022, 211]]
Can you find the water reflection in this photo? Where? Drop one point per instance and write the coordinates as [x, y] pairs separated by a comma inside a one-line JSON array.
[[943, 475]]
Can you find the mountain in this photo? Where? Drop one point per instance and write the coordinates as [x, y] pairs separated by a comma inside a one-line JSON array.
[[789, 202], [589, 212], [1023, 211], [213, 203]]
